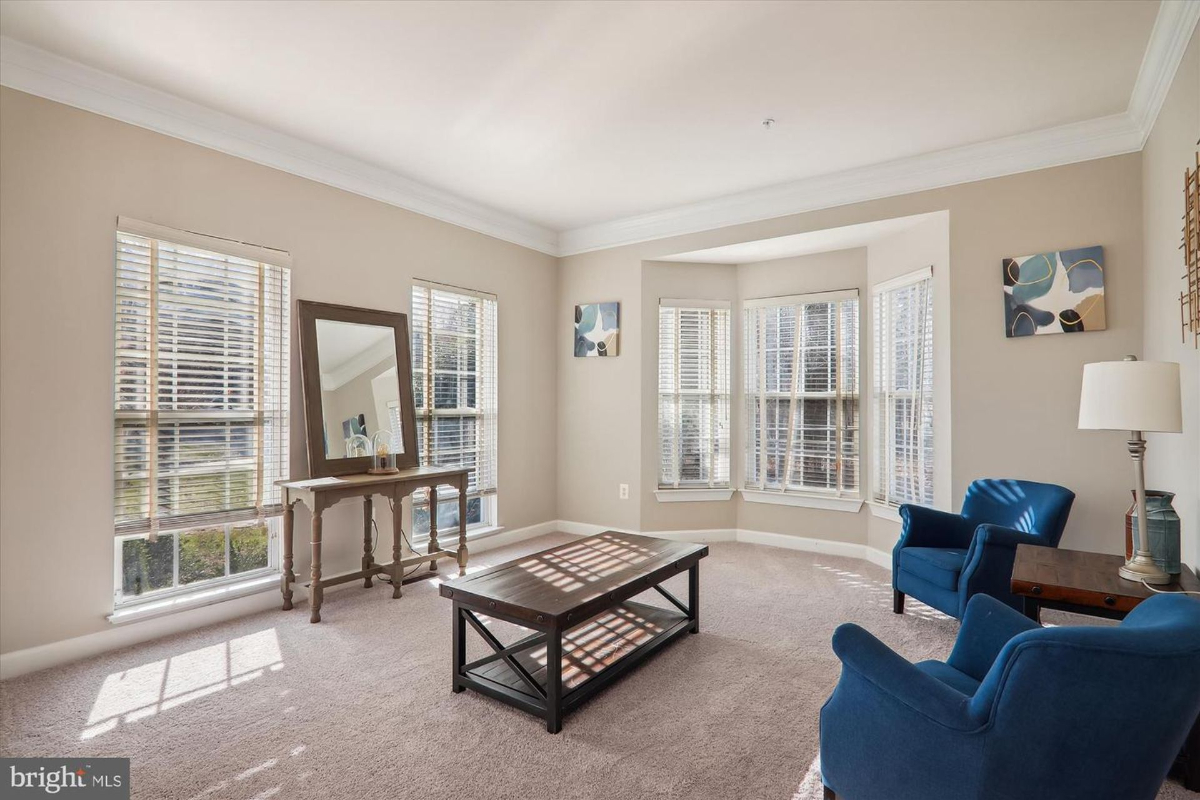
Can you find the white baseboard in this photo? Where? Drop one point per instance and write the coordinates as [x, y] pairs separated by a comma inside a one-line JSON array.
[[827, 546], [879, 558], [586, 528], [21, 662], [710, 535]]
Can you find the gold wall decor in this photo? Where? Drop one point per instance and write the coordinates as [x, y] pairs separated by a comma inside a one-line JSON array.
[[1189, 300]]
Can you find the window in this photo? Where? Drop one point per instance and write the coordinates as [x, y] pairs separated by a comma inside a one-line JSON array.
[[201, 409], [903, 401], [693, 393], [802, 394], [454, 391]]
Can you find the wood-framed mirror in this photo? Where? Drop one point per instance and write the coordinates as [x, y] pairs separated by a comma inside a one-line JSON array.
[[356, 373]]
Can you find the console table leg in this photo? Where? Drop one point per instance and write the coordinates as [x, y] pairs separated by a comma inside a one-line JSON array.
[[694, 596], [433, 540], [554, 681], [462, 526], [397, 550], [460, 649], [288, 578], [368, 517], [315, 592]]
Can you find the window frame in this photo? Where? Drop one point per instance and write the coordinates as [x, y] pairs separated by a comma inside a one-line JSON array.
[[488, 497], [271, 406], [712, 489], [837, 498], [882, 396]]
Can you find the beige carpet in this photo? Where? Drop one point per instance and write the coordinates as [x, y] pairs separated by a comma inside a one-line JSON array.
[[360, 706]]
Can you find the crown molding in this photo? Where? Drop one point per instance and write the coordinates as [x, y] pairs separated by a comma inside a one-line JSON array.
[[1169, 39], [1068, 144], [35, 71]]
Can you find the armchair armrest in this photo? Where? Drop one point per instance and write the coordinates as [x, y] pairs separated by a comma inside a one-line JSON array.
[[999, 536], [895, 677], [989, 563], [928, 527], [987, 626]]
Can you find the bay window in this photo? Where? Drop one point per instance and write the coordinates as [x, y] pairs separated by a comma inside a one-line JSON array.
[[693, 394], [903, 390], [802, 396]]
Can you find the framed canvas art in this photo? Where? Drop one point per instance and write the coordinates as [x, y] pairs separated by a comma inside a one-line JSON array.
[[597, 330], [1061, 292]]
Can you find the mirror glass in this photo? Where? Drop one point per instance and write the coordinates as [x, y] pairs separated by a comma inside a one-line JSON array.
[[360, 391]]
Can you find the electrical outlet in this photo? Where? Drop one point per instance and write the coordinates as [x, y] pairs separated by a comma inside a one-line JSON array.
[[623, 491]]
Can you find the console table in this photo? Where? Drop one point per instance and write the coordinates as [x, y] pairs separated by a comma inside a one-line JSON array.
[[319, 494]]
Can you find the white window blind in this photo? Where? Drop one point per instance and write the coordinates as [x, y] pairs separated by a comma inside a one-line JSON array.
[[903, 396], [454, 389], [693, 393], [802, 393], [201, 397]]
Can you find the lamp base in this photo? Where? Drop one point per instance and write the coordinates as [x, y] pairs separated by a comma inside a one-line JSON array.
[[1142, 568]]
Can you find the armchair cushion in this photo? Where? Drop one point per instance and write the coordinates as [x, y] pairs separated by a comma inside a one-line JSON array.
[[987, 627], [938, 565]]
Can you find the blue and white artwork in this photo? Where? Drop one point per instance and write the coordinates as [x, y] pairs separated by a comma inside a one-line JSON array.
[[597, 329], [1059, 292]]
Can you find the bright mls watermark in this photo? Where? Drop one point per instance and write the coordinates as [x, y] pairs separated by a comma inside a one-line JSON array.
[[84, 778]]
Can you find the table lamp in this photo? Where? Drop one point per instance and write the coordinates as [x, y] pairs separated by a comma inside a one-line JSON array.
[[1134, 396]]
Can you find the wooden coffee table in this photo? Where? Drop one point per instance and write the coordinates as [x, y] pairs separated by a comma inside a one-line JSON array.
[[1088, 583], [587, 630]]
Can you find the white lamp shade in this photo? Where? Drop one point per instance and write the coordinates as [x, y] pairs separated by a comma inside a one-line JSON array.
[[1131, 396]]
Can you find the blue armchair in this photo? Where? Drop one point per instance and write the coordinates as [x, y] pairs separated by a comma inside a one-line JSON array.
[[1018, 711], [943, 559]]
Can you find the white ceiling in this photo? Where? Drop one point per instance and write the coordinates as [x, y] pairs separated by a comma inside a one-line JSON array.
[[570, 114], [803, 244]]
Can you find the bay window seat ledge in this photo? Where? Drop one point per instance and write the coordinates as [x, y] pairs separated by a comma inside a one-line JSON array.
[[885, 511], [666, 494], [202, 596], [849, 505]]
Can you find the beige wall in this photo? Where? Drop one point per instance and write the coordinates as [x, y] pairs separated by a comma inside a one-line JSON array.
[[1173, 460], [67, 175], [1014, 402]]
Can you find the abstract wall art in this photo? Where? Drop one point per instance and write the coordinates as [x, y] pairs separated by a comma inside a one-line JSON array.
[[597, 329], [1059, 292]]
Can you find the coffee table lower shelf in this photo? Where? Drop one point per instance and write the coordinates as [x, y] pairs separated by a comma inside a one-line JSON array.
[[594, 654]]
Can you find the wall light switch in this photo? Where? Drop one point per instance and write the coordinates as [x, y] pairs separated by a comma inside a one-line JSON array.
[[623, 491]]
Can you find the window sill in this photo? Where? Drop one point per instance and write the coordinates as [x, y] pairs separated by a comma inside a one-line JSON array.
[[890, 513], [850, 505], [692, 495], [136, 612]]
